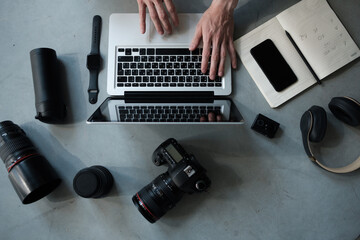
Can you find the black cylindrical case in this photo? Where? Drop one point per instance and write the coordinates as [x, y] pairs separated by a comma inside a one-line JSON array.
[[49, 104]]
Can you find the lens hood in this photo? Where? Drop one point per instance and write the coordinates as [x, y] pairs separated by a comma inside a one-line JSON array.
[[33, 179]]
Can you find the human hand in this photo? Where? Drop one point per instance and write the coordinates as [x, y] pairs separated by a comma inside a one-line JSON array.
[[215, 29], [211, 117], [157, 11]]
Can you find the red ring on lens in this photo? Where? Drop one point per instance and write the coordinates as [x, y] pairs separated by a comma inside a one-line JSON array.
[[144, 206], [21, 159]]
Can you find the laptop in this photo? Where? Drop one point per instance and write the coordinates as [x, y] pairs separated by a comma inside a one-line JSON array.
[[154, 79]]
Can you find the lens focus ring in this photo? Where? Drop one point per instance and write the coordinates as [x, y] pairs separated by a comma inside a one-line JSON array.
[[12, 146]]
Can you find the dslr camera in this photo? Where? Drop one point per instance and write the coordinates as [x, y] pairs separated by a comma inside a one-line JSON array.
[[184, 175]]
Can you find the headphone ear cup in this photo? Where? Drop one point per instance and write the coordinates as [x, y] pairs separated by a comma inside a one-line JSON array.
[[319, 124], [346, 110]]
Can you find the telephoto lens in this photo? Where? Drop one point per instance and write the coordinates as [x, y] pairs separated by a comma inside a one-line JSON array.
[[158, 197], [29, 172]]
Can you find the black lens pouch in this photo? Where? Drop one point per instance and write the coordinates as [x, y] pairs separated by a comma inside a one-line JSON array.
[[49, 104]]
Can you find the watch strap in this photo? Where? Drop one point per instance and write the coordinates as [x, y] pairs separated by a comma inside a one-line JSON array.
[[93, 86], [96, 32]]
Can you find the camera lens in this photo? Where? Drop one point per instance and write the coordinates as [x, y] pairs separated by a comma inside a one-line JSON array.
[[30, 174], [158, 197]]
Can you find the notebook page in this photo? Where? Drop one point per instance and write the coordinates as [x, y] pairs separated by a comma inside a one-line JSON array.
[[273, 30], [320, 35]]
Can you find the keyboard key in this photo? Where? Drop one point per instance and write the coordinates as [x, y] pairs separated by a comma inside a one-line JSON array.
[[172, 51], [135, 50], [142, 51], [128, 51], [134, 72], [125, 59], [150, 51], [121, 50]]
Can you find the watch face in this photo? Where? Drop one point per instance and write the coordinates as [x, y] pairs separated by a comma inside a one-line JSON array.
[[93, 62]]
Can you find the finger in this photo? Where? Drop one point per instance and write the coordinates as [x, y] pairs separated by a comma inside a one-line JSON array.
[[222, 60], [219, 118], [232, 53], [211, 117], [164, 18], [196, 39], [215, 57], [142, 15], [155, 18], [203, 119], [172, 11], [205, 56]]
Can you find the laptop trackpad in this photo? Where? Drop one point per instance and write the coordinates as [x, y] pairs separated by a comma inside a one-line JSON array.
[[181, 34]]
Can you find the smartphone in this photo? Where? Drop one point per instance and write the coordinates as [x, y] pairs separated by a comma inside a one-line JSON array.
[[273, 64]]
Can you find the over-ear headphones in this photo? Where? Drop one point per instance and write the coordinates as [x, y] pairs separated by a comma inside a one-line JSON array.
[[313, 126]]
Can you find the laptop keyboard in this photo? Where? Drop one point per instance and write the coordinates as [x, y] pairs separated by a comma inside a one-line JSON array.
[[162, 67], [165, 113]]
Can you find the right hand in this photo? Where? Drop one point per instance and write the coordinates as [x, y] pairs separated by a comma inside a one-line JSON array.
[[157, 11]]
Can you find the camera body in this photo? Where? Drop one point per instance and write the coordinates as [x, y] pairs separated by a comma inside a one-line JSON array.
[[183, 168], [184, 175]]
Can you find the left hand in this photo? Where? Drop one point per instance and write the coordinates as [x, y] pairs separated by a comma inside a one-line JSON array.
[[215, 29]]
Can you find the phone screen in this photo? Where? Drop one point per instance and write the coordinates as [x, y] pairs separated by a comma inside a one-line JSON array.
[[273, 64]]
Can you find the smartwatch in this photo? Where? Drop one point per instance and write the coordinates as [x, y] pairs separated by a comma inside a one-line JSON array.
[[93, 61]]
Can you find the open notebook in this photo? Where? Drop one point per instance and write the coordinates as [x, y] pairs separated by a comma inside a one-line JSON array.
[[318, 33]]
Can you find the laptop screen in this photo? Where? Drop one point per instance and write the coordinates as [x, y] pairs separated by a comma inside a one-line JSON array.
[[219, 110]]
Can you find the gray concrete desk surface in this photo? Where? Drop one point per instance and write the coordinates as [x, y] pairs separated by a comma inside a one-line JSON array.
[[262, 188]]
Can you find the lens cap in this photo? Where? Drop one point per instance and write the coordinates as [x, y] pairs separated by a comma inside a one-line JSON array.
[[93, 182]]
